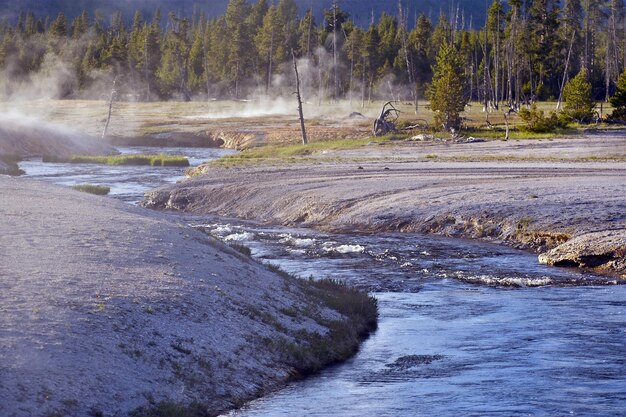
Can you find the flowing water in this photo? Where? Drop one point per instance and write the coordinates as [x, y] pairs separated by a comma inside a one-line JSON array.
[[127, 183], [465, 328]]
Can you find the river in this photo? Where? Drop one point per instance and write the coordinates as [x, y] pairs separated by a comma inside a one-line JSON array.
[[465, 328]]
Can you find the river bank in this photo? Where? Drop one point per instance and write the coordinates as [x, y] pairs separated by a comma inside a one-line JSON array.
[[566, 196], [109, 309]]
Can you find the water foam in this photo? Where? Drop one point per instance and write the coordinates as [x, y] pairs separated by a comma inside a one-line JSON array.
[[239, 237]]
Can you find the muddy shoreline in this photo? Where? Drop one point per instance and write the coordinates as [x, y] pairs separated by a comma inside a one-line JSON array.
[[557, 198]]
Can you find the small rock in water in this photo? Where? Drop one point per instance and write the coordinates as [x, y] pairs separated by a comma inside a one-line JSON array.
[[360, 167]]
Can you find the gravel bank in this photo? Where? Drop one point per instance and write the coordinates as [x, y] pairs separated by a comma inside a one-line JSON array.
[[529, 194], [107, 308]]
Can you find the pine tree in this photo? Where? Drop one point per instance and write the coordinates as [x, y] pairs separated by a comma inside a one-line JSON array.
[[267, 42], [197, 59], [579, 103], [59, 26], [419, 41], [618, 100], [308, 42], [371, 58], [239, 42], [448, 90], [80, 25], [172, 73]]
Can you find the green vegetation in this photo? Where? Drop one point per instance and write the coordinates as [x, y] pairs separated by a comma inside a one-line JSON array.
[[241, 248], [92, 189], [537, 122], [310, 351], [619, 99], [295, 152], [447, 92], [152, 160], [521, 54], [579, 103]]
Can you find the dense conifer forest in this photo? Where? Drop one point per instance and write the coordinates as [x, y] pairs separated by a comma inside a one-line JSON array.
[[527, 50]]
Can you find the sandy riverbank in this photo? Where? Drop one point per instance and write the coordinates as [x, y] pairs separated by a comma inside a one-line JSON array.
[[108, 308], [532, 194]]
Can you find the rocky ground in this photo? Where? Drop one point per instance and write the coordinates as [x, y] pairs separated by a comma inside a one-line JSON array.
[[106, 308], [565, 196]]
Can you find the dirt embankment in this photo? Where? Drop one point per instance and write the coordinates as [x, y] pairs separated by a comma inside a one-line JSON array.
[[536, 204], [107, 308], [22, 137]]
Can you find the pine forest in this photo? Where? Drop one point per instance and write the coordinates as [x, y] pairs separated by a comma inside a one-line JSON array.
[[528, 50]]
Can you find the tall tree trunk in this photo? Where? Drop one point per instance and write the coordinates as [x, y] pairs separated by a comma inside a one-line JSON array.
[[569, 53], [111, 99], [270, 60], [300, 113], [336, 89]]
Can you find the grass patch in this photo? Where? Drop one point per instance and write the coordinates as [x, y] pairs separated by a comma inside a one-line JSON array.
[[241, 249], [92, 189], [295, 152], [151, 160], [311, 351], [516, 134]]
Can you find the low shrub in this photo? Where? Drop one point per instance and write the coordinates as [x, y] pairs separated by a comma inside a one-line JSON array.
[[537, 122]]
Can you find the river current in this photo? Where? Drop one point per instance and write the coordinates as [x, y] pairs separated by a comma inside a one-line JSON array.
[[465, 328]]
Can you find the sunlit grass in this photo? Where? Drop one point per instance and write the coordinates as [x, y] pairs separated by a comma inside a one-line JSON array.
[[151, 160], [297, 151]]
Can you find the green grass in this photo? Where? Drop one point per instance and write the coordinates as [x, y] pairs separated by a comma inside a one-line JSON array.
[[151, 160], [515, 134], [92, 189], [296, 152]]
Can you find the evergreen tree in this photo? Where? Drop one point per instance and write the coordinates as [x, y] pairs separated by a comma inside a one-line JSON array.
[[371, 58], [239, 42], [267, 42], [388, 45], [419, 42], [197, 60], [80, 24], [172, 73], [308, 42], [579, 103], [59, 26], [618, 100], [447, 93]]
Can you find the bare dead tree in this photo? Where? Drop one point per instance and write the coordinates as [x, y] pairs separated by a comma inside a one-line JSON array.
[[386, 122], [299, 97], [564, 80], [111, 99], [506, 123]]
